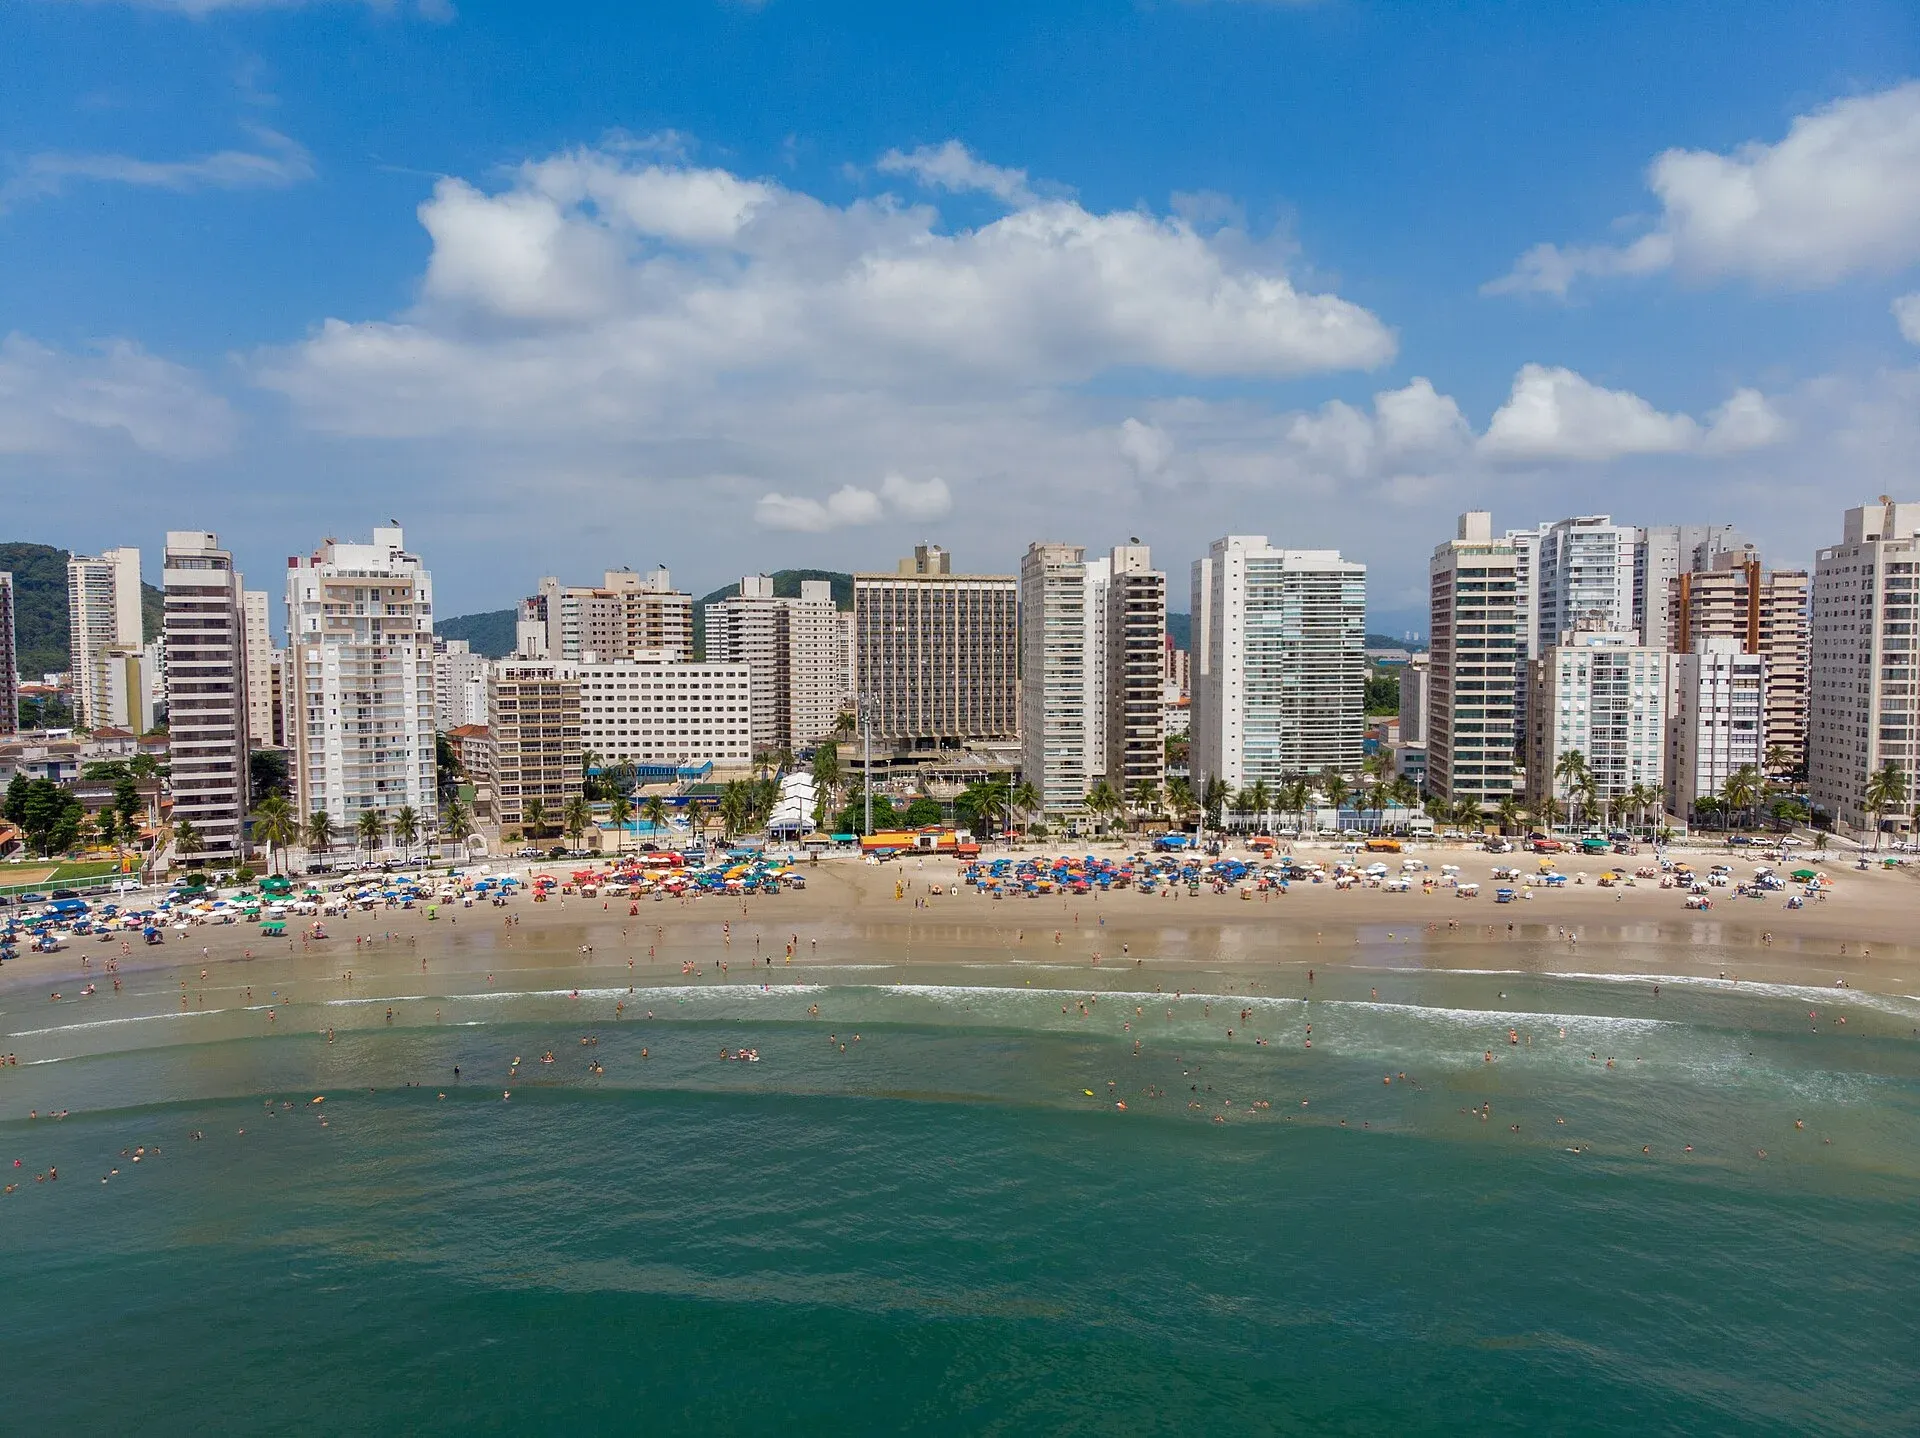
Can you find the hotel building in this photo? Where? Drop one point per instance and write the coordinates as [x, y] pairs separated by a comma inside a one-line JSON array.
[[937, 653], [1475, 640]]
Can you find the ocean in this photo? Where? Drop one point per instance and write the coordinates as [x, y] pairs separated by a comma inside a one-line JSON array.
[[951, 1224]]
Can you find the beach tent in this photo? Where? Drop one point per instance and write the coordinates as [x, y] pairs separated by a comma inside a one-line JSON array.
[[1804, 874]]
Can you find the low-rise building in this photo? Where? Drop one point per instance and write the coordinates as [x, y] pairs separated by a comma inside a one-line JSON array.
[[679, 714]]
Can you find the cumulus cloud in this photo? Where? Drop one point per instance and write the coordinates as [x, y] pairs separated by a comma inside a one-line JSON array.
[[58, 404], [1415, 424], [954, 167], [1556, 414], [605, 288], [1906, 313], [898, 497], [277, 162], [1839, 195], [1147, 447]]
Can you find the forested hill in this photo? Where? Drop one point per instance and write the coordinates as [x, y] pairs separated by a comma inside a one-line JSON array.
[[40, 606]]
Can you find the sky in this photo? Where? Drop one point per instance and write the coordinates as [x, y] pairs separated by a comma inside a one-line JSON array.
[[738, 286]]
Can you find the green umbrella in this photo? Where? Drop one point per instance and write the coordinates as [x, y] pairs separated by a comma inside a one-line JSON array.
[[1804, 874]]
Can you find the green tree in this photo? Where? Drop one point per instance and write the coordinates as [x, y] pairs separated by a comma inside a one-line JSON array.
[[533, 818], [1383, 693], [268, 772], [923, 812], [1570, 769], [456, 823], [577, 818], [446, 768], [826, 769], [619, 814], [654, 811], [371, 829], [406, 828], [1508, 814], [1101, 802], [320, 832], [1022, 799], [1334, 788], [186, 839], [1887, 790], [275, 826]]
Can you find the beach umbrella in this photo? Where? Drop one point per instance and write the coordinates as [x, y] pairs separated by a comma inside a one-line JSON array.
[[1804, 874]]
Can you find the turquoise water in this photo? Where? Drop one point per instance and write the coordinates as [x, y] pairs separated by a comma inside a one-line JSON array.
[[938, 1228]]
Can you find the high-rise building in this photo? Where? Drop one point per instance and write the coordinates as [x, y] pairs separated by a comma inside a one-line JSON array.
[[680, 715], [1661, 554], [1413, 700], [1585, 576], [628, 616], [1765, 611], [103, 612], [459, 684], [1717, 725], [1865, 699], [1602, 695], [938, 652], [846, 661], [1280, 665], [1134, 688], [1054, 715], [534, 730], [1473, 645], [9, 660], [260, 661], [361, 700], [792, 647], [122, 688], [206, 696]]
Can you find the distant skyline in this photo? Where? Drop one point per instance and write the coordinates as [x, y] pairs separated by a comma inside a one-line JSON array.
[[741, 286]]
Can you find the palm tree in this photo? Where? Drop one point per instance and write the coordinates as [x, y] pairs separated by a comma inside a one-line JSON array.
[[1296, 797], [826, 768], [1101, 803], [274, 825], [619, 812], [1022, 799], [654, 811], [186, 839], [845, 724], [1146, 794], [1779, 761], [371, 827], [1508, 813], [1213, 798], [406, 828], [577, 818], [1886, 790], [1178, 797], [1260, 800], [589, 781], [734, 808], [1335, 789], [1570, 768], [320, 832], [1467, 814], [456, 822], [533, 817], [1740, 792]]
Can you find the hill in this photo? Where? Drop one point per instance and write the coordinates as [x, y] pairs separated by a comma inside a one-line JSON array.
[[40, 606], [490, 633], [1180, 630]]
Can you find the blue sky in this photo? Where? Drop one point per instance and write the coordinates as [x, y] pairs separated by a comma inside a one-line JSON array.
[[733, 286]]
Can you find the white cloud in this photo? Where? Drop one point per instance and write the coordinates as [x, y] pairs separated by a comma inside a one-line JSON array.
[[279, 162], [1839, 195], [63, 405], [1906, 313], [953, 167], [1147, 447], [603, 291], [1415, 423], [850, 505], [917, 499], [1554, 414]]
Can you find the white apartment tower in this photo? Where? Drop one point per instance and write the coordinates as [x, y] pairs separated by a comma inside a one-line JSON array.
[[1584, 576], [1279, 662], [1601, 694], [206, 695], [1475, 642], [792, 645], [628, 616], [1054, 651], [1664, 552], [360, 705], [1717, 725], [667, 715], [261, 657], [459, 684], [103, 613], [1865, 681]]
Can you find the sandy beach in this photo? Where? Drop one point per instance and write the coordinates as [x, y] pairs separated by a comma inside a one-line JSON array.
[[849, 916]]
